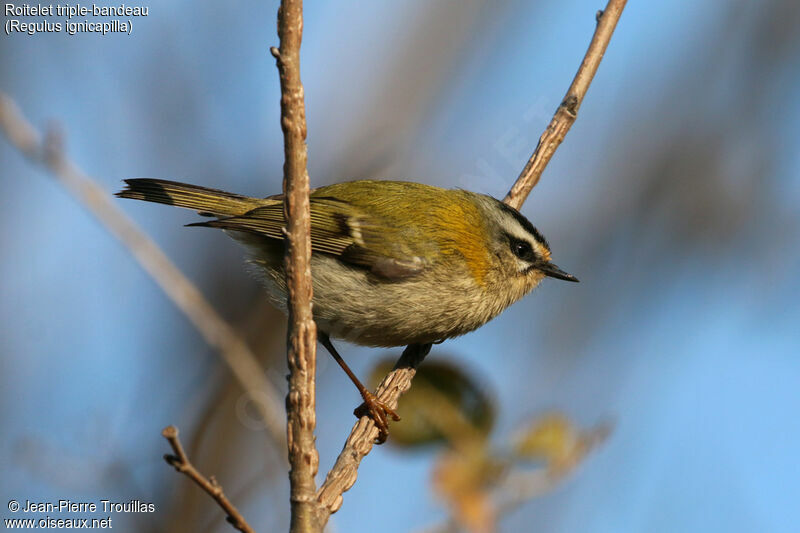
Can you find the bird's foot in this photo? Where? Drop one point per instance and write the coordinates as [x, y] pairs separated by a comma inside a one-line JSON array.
[[379, 412]]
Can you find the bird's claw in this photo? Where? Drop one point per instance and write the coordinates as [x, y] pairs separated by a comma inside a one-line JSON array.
[[379, 412]]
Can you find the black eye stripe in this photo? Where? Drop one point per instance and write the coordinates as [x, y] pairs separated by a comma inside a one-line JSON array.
[[524, 222]]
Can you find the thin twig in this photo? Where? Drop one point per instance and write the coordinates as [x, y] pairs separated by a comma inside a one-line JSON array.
[[359, 443], [302, 334], [182, 464], [49, 153], [343, 474], [567, 112]]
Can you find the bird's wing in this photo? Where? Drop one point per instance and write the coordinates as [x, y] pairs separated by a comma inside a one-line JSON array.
[[337, 228]]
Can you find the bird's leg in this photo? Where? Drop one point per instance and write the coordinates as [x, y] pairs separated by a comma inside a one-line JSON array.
[[372, 407]]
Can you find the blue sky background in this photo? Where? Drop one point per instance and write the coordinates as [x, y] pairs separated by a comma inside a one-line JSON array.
[[674, 199]]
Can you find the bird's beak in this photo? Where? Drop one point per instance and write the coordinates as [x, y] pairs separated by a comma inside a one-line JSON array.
[[552, 271]]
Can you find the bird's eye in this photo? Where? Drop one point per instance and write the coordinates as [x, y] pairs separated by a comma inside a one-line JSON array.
[[523, 250]]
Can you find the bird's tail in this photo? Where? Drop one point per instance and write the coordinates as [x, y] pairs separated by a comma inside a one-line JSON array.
[[202, 199]]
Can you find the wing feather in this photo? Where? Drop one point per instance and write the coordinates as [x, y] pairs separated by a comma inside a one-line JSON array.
[[337, 228]]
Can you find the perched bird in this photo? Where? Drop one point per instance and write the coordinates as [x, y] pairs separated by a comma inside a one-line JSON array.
[[393, 262]]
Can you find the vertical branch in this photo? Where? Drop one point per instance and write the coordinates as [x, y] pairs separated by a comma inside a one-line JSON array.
[[302, 336], [567, 112]]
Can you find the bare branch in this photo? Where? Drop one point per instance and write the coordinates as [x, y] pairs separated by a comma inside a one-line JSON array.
[[567, 112], [343, 474], [182, 464], [302, 335], [49, 153]]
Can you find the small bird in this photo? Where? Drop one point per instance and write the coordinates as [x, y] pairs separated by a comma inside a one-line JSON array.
[[393, 262]]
